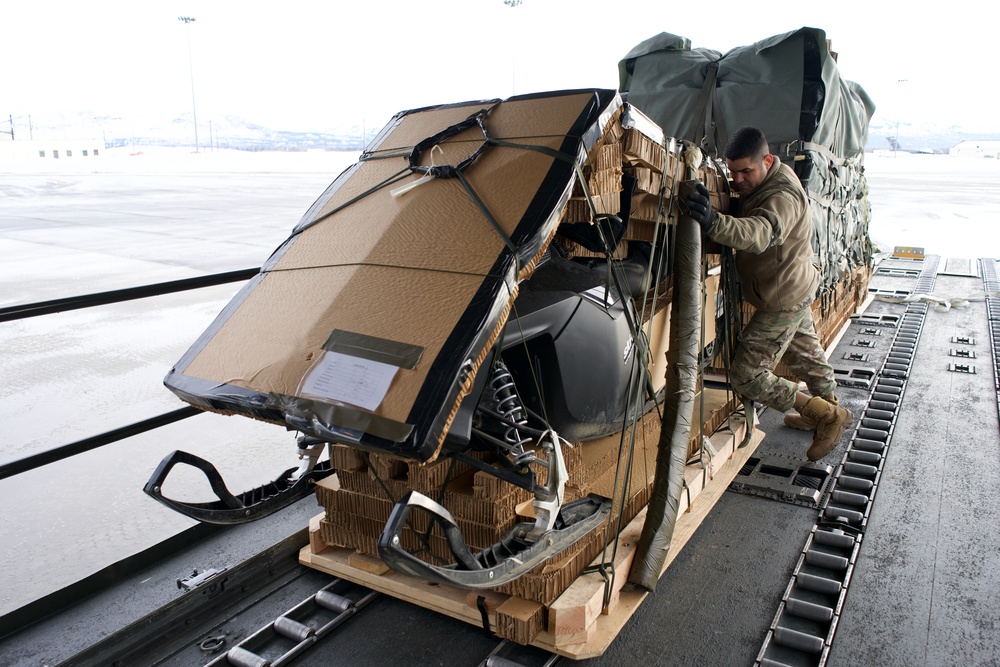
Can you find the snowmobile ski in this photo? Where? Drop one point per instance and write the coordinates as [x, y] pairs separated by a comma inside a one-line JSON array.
[[232, 509], [508, 559]]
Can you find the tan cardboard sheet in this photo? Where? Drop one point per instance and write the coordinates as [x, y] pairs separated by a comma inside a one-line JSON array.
[[406, 268]]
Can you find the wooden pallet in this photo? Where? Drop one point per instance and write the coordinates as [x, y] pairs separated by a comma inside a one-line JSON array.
[[577, 624]]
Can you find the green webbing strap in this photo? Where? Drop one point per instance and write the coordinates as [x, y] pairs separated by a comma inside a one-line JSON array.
[[385, 156], [456, 172], [703, 109], [531, 366], [608, 564], [751, 416], [720, 127], [665, 203], [732, 326], [819, 148], [545, 150], [550, 152]]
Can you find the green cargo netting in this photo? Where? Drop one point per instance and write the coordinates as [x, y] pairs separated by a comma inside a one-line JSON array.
[[788, 86]]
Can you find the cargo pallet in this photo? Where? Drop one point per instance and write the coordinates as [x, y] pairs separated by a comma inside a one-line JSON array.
[[578, 624]]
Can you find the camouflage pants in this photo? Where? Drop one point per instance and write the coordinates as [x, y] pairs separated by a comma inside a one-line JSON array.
[[788, 337]]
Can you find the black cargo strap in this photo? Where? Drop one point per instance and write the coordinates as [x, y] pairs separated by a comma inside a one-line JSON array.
[[368, 462], [450, 171], [456, 171], [489, 217], [395, 178], [444, 171], [481, 605]]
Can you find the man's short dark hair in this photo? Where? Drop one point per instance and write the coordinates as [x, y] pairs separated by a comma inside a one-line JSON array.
[[747, 142]]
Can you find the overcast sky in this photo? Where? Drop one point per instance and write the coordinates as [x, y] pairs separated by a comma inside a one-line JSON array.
[[322, 65]]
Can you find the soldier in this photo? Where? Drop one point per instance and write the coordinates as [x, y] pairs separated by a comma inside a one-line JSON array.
[[774, 257]]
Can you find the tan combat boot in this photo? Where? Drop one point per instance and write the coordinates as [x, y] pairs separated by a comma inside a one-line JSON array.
[[831, 422], [796, 420]]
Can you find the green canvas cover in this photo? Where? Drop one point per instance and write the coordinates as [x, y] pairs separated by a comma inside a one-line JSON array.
[[789, 87]]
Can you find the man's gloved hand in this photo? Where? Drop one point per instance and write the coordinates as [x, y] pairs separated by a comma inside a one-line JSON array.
[[701, 208]]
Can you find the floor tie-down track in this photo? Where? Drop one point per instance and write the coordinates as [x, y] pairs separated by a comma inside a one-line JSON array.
[[804, 625]]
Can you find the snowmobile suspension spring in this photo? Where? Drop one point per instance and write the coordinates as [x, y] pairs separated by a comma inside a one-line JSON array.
[[509, 405]]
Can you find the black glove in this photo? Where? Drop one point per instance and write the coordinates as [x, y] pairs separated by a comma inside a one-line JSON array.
[[701, 208]]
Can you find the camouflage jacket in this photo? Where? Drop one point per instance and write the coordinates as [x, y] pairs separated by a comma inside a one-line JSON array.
[[772, 237]]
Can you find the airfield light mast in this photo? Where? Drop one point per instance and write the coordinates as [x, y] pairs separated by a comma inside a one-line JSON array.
[[187, 20], [513, 49]]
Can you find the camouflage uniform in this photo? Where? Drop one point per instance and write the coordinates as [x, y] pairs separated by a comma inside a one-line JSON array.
[[774, 257], [789, 337]]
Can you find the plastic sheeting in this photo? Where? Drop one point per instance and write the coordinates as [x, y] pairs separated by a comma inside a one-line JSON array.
[[789, 87]]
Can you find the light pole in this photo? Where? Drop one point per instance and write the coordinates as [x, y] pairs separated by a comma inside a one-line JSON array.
[[187, 20], [902, 106], [513, 50]]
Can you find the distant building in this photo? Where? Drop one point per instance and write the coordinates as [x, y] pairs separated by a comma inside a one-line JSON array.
[[57, 149], [977, 149]]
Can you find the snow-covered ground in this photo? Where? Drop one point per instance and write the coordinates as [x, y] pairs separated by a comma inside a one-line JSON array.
[[84, 225], [948, 205]]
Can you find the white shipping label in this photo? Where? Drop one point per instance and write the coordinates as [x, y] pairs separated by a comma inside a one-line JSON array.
[[351, 380]]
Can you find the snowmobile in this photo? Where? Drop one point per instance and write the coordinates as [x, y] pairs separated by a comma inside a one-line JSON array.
[[559, 357]]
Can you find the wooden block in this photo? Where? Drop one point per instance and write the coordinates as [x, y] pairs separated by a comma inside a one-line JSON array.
[[580, 638], [578, 608], [330, 482], [492, 600], [316, 542], [520, 620], [714, 406], [367, 563], [550, 579], [613, 602], [430, 595]]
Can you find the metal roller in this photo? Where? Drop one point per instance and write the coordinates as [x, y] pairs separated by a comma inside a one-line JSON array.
[[333, 602]]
